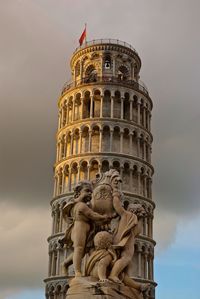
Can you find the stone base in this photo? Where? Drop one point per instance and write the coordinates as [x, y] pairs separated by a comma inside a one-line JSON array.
[[88, 288]]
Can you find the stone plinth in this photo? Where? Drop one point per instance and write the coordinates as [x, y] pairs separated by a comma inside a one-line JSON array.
[[88, 288]]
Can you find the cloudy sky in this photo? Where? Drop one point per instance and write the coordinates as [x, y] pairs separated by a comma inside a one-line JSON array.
[[37, 40]]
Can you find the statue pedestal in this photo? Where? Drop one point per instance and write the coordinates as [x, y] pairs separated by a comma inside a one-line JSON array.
[[88, 288]]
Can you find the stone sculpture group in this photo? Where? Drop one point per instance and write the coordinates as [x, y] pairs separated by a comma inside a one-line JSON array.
[[101, 232]]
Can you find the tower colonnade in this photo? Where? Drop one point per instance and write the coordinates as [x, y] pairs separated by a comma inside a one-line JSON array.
[[104, 122], [106, 103]]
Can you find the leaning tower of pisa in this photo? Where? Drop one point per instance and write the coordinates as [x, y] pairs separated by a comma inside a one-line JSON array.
[[104, 122]]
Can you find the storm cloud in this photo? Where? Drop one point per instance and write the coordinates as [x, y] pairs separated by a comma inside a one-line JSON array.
[[37, 40]]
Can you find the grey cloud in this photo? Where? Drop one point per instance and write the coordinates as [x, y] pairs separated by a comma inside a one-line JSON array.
[[37, 39]]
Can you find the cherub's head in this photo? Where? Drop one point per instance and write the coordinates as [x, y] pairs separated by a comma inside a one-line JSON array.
[[83, 191], [103, 240]]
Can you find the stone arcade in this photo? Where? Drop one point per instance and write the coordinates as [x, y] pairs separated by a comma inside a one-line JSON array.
[[104, 129]]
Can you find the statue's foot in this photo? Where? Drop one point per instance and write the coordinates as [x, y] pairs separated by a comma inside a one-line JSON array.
[[78, 274], [115, 279]]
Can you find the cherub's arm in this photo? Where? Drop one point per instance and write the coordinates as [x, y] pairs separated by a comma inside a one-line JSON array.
[[89, 213], [117, 203]]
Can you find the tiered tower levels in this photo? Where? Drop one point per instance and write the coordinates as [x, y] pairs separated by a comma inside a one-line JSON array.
[[104, 122]]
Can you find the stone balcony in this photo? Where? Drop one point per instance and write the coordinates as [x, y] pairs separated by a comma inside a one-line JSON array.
[[105, 80]]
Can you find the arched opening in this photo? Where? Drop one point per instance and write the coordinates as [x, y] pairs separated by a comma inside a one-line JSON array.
[[135, 101], [126, 142], [59, 292], [117, 105], [76, 142], [116, 140], [51, 292], [90, 74], [84, 171], [64, 113], [85, 140], [123, 73], [60, 177], [126, 177], [74, 175], [135, 180], [54, 262], [134, 144], [68, 144], [142, 146], [107, 62], [77, 110], [116, 165], [97, 103], [107, 104], [70, 108], [57, 224], [105, 166], [77, 69], [106, 139], [126, 106], [86, 105], [66, 178], [141, 112], [142, 178], [94, 169], [95, 139]]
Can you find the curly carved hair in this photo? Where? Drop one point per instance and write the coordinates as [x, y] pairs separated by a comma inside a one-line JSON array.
[[80, 186], [103, 240]]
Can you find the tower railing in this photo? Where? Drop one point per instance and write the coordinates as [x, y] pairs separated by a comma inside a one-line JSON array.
[[104, 79], [105, 41]]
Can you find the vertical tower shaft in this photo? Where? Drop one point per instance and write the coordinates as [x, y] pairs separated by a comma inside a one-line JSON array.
[[104, 122]]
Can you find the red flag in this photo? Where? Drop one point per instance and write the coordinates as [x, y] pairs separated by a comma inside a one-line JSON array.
[[83, 36]]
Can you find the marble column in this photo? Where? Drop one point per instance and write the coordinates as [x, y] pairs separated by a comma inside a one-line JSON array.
[[130, 143], [121, 141], [111, 140], [139, 182], [63, 181], [112, 106], [138, 113], [131, 180], [138, 147], [145, 264], [81, 113], [90, 140], [101, 107], [91, 106], [61, 218], [71, 144], [73, 109], [131, 109], [69, 179], [122, 108], [100, 139], [80, 142], [139, 260]]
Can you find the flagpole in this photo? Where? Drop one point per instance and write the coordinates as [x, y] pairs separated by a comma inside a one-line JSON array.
[[86, 33]]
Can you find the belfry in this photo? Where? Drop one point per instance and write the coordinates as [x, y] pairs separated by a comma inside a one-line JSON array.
[[104, 123]]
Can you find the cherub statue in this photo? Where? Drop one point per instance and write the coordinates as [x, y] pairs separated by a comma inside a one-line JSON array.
[[102, 257], [125, 234], [79, 216]]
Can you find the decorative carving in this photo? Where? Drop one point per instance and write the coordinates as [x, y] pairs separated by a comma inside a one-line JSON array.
[[101, 233]]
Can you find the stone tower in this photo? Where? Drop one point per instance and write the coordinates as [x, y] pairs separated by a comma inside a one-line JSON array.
[[104, 122]]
